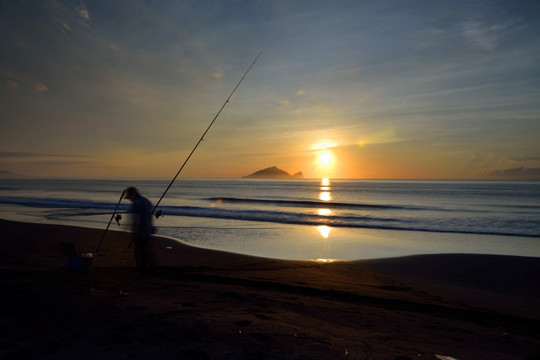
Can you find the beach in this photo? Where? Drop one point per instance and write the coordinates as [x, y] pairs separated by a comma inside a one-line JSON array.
[[209, 304]]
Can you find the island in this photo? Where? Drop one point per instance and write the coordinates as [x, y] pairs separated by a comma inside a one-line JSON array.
[[273, 172], [4, 174]]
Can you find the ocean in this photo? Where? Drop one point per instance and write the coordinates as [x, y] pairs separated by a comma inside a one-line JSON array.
[[321, 219]]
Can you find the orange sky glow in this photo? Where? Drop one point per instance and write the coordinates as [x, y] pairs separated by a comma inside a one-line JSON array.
[[434, 90]]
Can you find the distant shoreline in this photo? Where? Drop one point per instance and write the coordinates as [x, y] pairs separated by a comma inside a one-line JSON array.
[[31, 177]]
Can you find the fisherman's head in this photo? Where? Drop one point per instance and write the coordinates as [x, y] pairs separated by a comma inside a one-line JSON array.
[[131, 193]]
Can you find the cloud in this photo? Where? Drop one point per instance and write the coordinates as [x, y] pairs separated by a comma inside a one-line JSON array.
[[518, 172], [479, 35], [12, 84], [6, 173], [299, 93], [135, 92], [15, 154], [39, 87], [61, 163], [479, 163], [384, 135], [83, 12], [217, 74], [324, 144], [523, 158], [481, 157], [485, 36]]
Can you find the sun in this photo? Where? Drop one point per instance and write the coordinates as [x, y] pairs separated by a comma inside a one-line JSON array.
[[326, 157]]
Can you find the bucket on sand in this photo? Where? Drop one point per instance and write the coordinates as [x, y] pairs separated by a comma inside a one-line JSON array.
[[79, 262]]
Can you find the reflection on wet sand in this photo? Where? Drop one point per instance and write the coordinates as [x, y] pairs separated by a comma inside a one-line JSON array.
[[324, 230]]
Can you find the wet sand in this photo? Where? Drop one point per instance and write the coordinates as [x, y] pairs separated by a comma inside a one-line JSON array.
[[205, 304]]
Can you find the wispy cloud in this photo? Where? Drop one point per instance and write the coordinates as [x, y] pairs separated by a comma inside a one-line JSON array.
[[39, 87], [518, 172], [483, 35], [15, 154], [522, 158], [12, 84], [480, 157], [83, 12], [135, 92], [63, 162], [384, 135], [479, 163]]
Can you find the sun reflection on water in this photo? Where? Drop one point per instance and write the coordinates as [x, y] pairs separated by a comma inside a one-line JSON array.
[[325, 196], [324, 212], [324, 230]]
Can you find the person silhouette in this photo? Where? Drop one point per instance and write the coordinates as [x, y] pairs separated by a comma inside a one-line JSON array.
[[141, 210]]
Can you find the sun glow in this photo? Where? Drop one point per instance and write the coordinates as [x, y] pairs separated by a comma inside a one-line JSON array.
[[325, 161], [326, 157]]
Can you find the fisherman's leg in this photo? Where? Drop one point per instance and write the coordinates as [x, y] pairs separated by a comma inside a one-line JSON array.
[[137, 253], [143, 256], [150, 257]]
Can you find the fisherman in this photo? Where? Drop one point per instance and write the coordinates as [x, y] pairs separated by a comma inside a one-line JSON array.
[[142, 229]]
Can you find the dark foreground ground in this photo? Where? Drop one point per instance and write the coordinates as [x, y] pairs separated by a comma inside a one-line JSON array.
[[206, 304]]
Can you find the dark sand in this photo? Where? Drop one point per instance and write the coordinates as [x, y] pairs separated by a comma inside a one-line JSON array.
[[207, 304]]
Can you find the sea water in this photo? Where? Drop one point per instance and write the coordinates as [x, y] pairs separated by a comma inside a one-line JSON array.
[[303, 219]]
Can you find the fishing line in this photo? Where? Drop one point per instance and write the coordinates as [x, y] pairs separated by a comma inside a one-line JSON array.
[[160, 212], [113, 216]]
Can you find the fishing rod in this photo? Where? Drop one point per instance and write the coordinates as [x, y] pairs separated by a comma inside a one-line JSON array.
[[160, 213], [113, 216]]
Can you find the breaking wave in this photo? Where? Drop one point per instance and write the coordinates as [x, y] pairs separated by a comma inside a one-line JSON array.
[[349, 215]]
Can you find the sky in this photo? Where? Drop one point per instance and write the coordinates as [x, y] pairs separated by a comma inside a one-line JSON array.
[[384, 89]]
